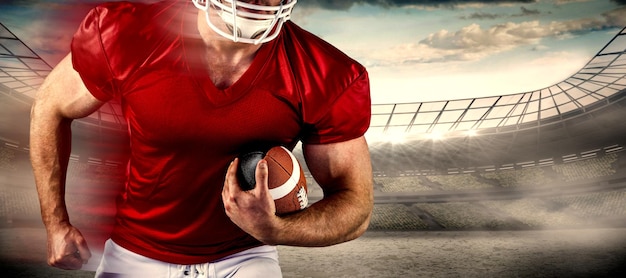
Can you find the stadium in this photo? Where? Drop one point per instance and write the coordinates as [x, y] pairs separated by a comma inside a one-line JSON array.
[[526, 185]]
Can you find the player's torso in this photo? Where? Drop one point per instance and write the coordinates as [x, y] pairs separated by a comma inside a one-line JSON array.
[[170, 107], [175, 113], [184, 132]]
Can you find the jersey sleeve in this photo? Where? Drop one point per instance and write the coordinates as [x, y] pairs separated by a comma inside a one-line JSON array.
[[93, 46], [345, 118]]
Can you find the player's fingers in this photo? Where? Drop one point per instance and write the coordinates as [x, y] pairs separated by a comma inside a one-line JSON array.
[[234, 182], [231, 176], [262, 191], [231, 187], [261, 175], [69, 260], [83, 251], [72, 261]]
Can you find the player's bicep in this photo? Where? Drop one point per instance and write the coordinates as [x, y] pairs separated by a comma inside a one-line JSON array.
[[340, 166], [64, 95]]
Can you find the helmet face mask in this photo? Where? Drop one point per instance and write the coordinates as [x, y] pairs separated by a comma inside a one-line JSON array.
[[245, 22]]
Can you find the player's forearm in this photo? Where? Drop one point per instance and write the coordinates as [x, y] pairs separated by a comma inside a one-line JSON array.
[[50, 140], [344, 212], [342, 216]]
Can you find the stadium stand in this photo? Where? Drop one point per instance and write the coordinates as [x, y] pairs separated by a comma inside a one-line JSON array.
[[467, 216], [395, 217], [535, 213], [401, 184], [536, 176], [588, 169], [7, 159], [601, 205], [459, 181]]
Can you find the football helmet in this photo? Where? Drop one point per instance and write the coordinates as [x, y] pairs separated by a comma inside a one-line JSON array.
[[246, 22]]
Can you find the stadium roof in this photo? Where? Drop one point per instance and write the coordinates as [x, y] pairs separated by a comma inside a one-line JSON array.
[[600, 79], [22, 71]]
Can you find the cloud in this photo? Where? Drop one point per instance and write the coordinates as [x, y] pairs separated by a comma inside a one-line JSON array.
[[481, 16], [345, 5], [474, 42], [46, 26], [50, 45], [484, 15], [616, 17], [19, 2], [528, 12]]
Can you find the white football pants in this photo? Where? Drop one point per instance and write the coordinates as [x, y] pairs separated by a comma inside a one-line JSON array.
[[256, 262]]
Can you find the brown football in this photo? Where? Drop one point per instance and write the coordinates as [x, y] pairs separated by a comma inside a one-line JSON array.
[[287, 183]]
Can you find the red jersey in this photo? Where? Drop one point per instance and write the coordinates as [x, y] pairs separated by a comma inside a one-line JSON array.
[[184, 131]]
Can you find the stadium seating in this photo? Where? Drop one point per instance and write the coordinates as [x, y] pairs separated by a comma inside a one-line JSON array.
[[92, 186], [588, 169], [554, 210]]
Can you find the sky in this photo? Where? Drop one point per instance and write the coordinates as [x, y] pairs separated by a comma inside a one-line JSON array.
[[414, 50]]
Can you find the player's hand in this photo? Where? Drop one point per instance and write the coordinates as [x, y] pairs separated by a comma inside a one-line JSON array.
[[253, 210], [67, 248]]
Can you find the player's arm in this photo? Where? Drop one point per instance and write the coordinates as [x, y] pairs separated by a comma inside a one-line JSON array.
[[61, 98], [344, 172]]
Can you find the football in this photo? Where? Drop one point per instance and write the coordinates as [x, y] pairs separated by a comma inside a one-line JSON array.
[[286, 180]]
